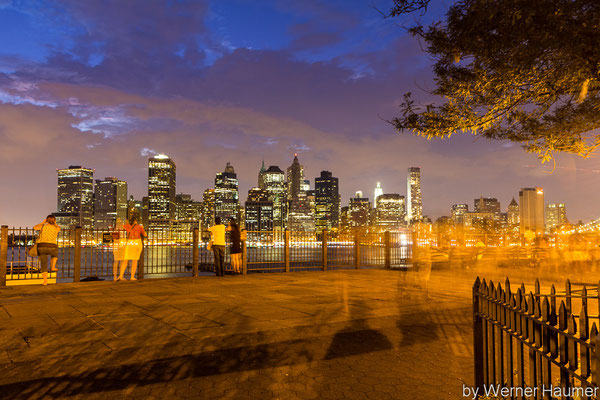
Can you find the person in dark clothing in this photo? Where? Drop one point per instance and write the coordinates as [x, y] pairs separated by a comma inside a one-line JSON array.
[[235, 250]]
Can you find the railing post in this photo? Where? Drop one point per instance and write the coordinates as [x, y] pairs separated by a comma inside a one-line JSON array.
[[324, 250], [77, 256], [140, 271], [388, 249], [286, 250], [478, 340], [3, 253], [244, 258], [356, 250], [195, 252]]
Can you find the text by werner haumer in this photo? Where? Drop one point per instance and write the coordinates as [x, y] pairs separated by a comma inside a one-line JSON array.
[[528, 391]]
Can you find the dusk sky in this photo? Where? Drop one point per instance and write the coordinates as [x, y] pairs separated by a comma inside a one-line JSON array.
[[106, 84]]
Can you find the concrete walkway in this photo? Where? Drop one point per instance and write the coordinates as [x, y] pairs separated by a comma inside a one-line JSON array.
[[311, 335]]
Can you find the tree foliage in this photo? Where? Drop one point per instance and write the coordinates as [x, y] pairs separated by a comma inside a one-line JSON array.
[[523, 70]]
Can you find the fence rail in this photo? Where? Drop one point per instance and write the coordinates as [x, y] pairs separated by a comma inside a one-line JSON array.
[[89, 253], [525, 343]]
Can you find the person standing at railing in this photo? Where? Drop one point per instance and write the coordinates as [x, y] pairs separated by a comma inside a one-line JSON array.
[[133, 246], [218, 245], [235, 250], [47, 245], [118, 246]]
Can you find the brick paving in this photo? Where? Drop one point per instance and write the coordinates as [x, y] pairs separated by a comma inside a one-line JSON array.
[[312, 335]]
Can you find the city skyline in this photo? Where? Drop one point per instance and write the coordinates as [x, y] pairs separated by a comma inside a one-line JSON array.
[[248, 89]]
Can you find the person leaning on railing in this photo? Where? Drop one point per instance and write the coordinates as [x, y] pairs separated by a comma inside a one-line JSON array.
[[133, 247], [47, 245], [218, 245]]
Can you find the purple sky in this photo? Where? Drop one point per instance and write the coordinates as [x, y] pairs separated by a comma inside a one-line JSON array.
[[106, 84]]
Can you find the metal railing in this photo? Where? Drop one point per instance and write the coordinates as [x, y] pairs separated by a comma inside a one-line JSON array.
[[524, 342], [90, 253]]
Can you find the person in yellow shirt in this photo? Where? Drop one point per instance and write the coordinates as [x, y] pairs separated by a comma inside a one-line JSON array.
[[47, 245], [217, 232]]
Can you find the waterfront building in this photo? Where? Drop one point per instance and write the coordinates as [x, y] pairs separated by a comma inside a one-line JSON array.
[[327, 201], [390, 211], [458, 212], [227, 202], [531, 210], [258, 210], [487, 205], [75, 197], [161, 191], [556, 216], [188, 212], [344, 218], [110, 202], [414, 203]]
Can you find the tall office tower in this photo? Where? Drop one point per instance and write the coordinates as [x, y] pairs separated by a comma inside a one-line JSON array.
[[513, 213], [272, 180], [459, 211], [556, 216], [531, 210], [378, 192], [161, 191], [75, 199], [295, 179], [414, 203], [188, 211], [227, 201], [487, 204], [359, 212], [135, 207], [258, 210], [208, 209], [345, 218], [145, 213], [327, 201], [261, 179], [390, 211], [110, 202]]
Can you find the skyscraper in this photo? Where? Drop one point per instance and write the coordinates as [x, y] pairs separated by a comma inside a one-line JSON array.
[[300, 213], [531, 210], [414, 202], [487, 204], [378, 192], [556, 216], [459, 211], [75, 199], [513, 213], [135, 207], [161, 191], [259, 210], [295, 179], [110, 202], [227, 201], [390, 211], [208, 208], [359, 212], [188, 212], [327, 201], [272, 180]]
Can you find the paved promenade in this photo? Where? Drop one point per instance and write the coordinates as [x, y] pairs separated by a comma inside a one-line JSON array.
[[311, 335]]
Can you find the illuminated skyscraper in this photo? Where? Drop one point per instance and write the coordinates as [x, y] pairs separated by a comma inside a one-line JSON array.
[[459, 211], [487, 204], [259, 210], [110, 202], [556, 216], [513, 213], [359, 212], [378, 192], [390, 211], [161, 191], [272, 180], [295, 179], [208, 208], [327, 201], [188, 212], [414, 203], [75, 200], [227, 203], [300, 212], [531, 210]]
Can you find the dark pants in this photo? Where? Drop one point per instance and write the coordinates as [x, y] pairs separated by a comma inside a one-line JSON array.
[[45, 250], [219, 252]]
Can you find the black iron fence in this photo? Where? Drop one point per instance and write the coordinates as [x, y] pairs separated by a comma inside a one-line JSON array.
[[534, 344], [90, 253]]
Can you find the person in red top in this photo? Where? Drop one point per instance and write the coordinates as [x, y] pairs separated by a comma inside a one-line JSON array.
[[133, 247]]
